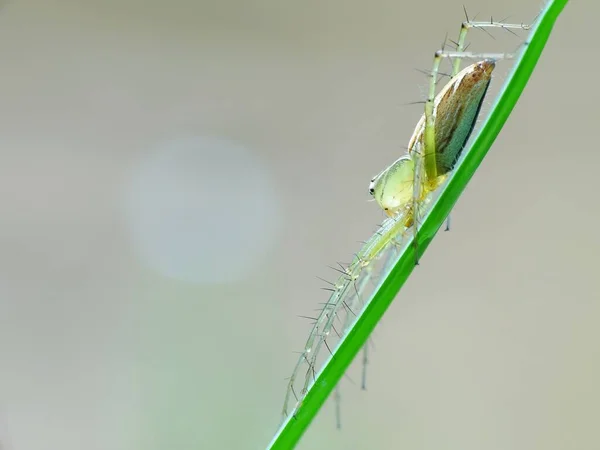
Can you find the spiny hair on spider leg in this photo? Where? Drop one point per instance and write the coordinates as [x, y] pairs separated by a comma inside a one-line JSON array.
[[343, 272], [429, 73], [348, 308], [336, 331], [325, 281], [326, 305], [308, 317]]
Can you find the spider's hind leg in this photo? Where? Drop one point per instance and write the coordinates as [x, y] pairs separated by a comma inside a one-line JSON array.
[[461, 47]]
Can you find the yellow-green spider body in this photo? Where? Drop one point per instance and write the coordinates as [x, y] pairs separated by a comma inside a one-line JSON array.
[[436, 143]]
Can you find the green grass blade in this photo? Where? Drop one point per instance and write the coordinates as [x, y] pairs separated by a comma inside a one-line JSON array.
[[292, 429]]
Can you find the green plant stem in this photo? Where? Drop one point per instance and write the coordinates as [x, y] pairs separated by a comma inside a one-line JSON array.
[[292, 429]]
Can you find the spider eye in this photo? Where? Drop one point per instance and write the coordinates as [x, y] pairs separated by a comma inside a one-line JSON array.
[[371, 191]]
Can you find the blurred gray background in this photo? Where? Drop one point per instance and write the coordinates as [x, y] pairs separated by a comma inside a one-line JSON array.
[[175, 175]]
